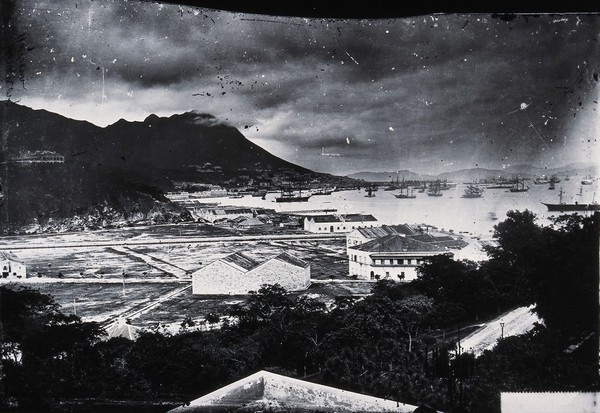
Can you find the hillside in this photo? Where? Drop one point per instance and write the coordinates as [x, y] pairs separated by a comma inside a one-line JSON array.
[[55, 168]]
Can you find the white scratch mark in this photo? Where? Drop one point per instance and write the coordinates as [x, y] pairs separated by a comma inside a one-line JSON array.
[[351, 58], [392, 129]]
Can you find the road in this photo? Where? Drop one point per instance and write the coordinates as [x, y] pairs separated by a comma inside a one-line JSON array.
[[170, 241], [133, 312]]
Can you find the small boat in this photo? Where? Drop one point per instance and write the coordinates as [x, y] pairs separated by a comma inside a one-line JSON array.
[[492, 216], [370, 193], [472, 191], [587, 180], [541, 180], [551, 186]]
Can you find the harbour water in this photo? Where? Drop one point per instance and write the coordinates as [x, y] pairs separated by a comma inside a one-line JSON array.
[[448, 212]]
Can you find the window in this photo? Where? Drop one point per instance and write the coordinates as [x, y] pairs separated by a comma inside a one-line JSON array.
[[387, 274], [409, 261], [400, 261], [391, 262]]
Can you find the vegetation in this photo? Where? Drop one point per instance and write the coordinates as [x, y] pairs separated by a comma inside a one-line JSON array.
[[390, 344]]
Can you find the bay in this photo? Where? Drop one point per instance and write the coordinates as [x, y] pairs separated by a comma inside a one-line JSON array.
[[449, 212]]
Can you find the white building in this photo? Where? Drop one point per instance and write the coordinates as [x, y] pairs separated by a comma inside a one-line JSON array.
[[320, 224], [238, 274], [394, 257], [12, 267]]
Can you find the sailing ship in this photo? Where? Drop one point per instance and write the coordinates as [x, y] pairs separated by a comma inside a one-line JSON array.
[[289, 195], [323, 191], [434, 189], [541, 180], [562, 206], [445, 185], [404, 194], [394, 185], [472, 191], [519, 186]]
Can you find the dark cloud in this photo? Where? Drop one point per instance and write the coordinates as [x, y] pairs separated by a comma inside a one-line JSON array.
[[399, 90]]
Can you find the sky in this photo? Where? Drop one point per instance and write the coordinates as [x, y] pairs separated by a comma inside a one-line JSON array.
[[431, 94]]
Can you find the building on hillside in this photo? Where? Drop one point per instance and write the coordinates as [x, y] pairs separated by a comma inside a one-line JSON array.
[[221, 213], [39, 157], [247, 223], [362, 235], [395, 257], [266, 391], [12, 267], [320, 224], [237, 274]]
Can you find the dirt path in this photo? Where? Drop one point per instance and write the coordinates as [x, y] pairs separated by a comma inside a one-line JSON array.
[[183, 240]]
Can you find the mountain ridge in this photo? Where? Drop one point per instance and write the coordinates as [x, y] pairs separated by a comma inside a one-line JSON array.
[[55, 167]]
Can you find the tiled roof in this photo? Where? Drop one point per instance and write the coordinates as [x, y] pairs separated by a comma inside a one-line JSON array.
[[285, 257], [398, 243], [241, 260], [377, 232], [358, 218], [442, 241], [325, 218]]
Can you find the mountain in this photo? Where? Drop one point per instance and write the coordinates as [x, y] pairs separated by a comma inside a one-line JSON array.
[[473, 174], [53, 168], [388, 176]]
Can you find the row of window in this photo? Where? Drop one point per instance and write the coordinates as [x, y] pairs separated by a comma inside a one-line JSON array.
[[398, 261], [343, 228]]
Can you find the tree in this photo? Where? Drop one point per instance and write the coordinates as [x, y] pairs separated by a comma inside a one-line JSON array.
[[555, 267], [44, 352]]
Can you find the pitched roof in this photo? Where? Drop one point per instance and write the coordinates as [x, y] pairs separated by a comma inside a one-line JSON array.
[[241, 260], [442, 241], [9, 256], [273, 392], [324, 218], [398, 243], [285, 257], [377, 232], [359, 218]]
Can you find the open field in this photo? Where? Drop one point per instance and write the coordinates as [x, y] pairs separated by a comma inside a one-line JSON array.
[[101, 283], [98, 302]]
